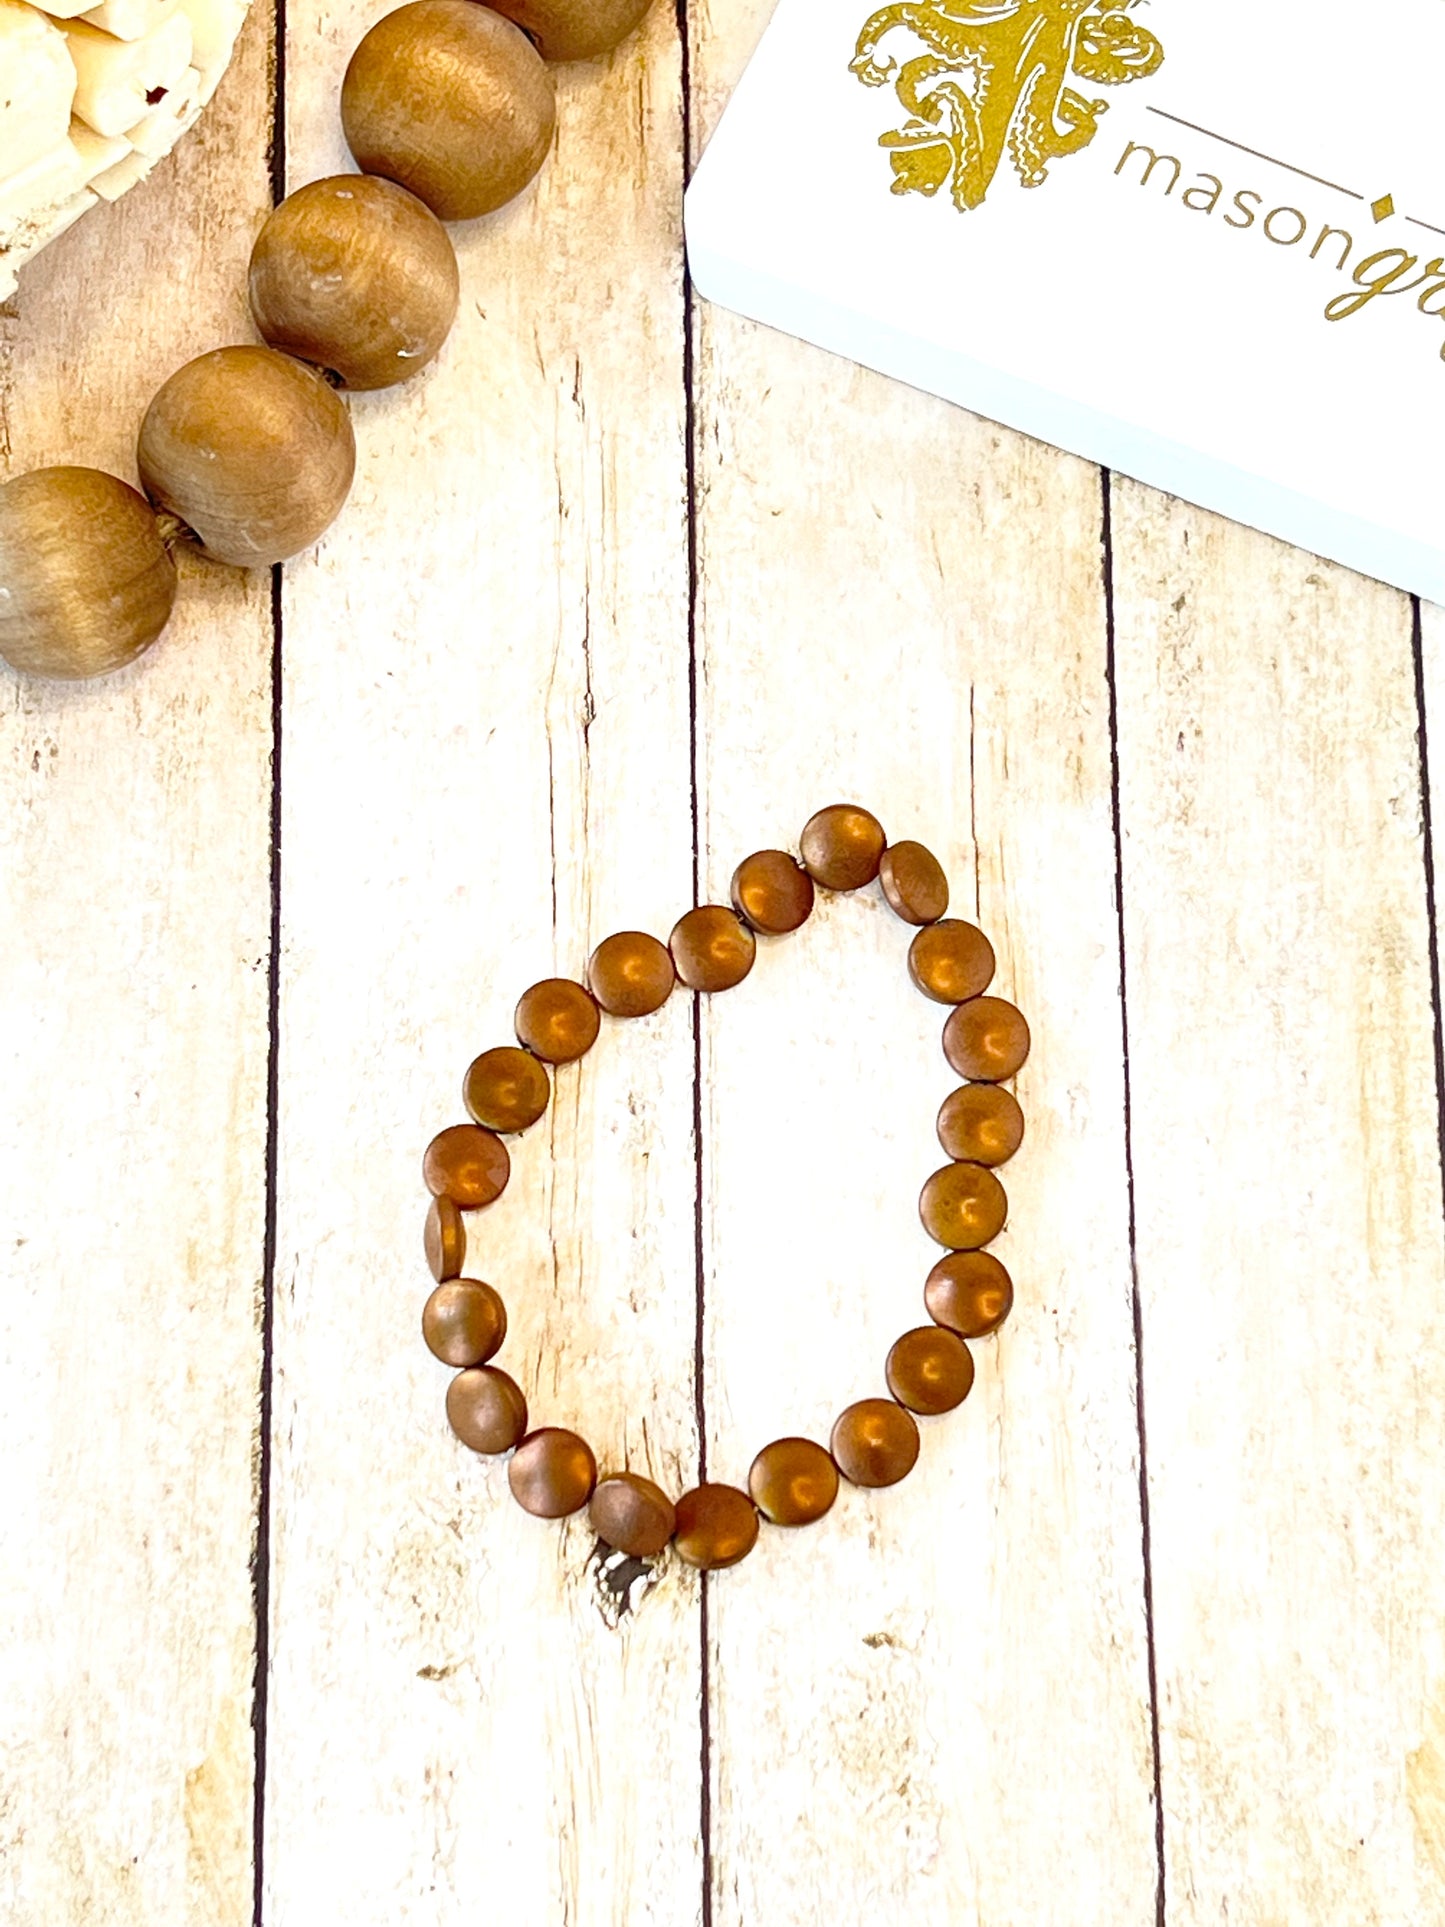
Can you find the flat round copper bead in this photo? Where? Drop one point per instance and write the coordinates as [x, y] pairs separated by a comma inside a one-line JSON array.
[[773, 892], [963, 1206], [981, 1123], [486, 1409], [716, 1526], [930, 1370], [913, 882], [951, 960], [712, 948], [552, 1472], [631, 974], [632, 1514], [970, 1292], [445, 1240], [793, 1482], [468, 1165], [842, 847], [464, 1322], [987, 1039], [875, 1442], [506, 1089], [558, 1020]]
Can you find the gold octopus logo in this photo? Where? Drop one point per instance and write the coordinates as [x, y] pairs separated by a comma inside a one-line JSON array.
[[995, 80]]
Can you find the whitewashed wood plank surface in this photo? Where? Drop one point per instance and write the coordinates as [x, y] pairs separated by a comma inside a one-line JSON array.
[[1283, 1079], [934, 1706], [486, 769], [134, 944]]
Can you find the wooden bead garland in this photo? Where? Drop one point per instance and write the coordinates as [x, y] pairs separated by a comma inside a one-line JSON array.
[[968, 1293], [449, 109]]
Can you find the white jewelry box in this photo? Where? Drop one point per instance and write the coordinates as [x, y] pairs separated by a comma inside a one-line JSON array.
[[1199, 241]]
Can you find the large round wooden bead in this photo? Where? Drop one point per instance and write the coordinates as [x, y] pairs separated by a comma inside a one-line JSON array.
[[712, 948], [913, 882], [632, 1514], [86, 582], [875, 1442], [793, 1482], [930, 1370], [963, 1206], [716, 1526], [631, 973], [987, 1039], [506, 1089], [453, 102], [982, 1123], [358, 276], [464, 1322], [950, 961], [842, 847], [970, 1292], [468, 1165], [486, 1409], [575, 29], [251, 449], [773, 892], [557, 1019], [445, 1239], [552, 1473]]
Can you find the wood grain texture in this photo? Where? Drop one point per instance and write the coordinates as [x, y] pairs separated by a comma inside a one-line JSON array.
[[1282, 1051], [134, 830], [932, 1707], [485, 771]]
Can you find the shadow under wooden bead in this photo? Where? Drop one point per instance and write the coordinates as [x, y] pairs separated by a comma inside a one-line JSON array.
[[464, 1322], [712, 948], [913, 883], [950, 961], [963, 1206], [793, 1482], [773, 892], [445, 1240], [467, 1164], [486, 1409], [842, 846], [631, 973], [970, 1292], [717, 1525], [506, 1089], [557, 1019], [875, 1442], [632, 1514], [930, 1370], [987, 1039], [981, 1123], [552, 1473]]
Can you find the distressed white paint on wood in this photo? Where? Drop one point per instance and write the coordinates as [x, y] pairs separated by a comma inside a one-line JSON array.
[[1289, 1221], [134, 907], [486, 769], [933, 1706]]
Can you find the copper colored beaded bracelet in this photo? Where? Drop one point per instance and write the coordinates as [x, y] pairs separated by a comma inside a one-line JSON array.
[[968, 1293]]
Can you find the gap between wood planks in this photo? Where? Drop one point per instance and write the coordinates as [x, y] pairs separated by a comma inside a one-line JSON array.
[[261, 1558]]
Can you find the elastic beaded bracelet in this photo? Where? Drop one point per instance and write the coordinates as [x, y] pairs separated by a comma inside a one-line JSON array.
[[968, 1293]]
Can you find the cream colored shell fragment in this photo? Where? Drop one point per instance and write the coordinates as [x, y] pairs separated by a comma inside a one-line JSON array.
[[91, 97]]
